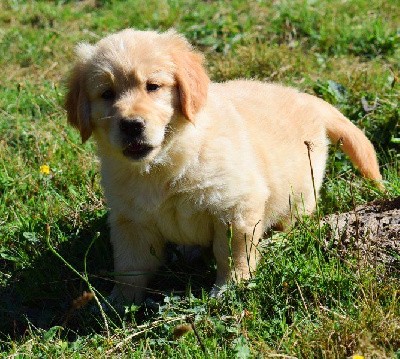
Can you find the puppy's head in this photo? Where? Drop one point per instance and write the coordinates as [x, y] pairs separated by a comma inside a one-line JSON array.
[[133, 88]]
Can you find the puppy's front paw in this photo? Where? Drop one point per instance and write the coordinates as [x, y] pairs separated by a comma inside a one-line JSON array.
[[218, 291]]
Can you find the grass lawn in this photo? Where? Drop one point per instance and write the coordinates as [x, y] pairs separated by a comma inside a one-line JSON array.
[[306, 300]]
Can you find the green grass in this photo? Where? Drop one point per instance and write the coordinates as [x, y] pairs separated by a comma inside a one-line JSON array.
[[305, 300]]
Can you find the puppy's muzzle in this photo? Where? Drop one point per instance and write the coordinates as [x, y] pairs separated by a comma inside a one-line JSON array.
[[132, 128], [132, 133]]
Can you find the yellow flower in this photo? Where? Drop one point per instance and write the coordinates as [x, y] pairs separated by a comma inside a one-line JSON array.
[[357, 356], [45, 169]]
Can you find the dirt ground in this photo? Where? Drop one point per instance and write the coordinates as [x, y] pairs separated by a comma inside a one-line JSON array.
[[372, 230]]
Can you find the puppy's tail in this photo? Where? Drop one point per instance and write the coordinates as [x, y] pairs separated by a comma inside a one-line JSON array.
[[354, 143]]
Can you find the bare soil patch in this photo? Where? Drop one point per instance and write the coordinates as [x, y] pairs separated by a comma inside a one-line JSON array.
[[373, 230]]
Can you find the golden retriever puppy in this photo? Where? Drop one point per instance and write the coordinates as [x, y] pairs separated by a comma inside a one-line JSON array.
[[183, 159]]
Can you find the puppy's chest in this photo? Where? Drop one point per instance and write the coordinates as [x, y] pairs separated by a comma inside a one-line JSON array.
[[175, 213], [179, 220]]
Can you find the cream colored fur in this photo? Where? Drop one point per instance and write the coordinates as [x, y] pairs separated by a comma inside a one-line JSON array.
[[222, 154]]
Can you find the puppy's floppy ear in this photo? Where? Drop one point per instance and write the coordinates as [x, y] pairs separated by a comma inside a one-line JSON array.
[[191, 76], [76, 101]]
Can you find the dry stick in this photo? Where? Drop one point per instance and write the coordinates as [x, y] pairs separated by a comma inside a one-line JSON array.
[[309, 145], [309, 149], [353, 202], [302, 298], [357, 227], [251, 247], [146, 329], [191, 321], [333, 312]]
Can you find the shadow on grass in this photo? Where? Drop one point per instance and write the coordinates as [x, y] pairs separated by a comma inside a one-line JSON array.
[[41, 295]]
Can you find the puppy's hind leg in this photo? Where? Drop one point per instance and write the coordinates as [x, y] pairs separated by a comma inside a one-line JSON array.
[[236, 253]]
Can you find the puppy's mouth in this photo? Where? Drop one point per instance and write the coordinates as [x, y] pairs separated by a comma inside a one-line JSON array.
[[136, 150]]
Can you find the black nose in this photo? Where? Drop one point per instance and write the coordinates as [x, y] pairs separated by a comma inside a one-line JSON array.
[[132, 127]]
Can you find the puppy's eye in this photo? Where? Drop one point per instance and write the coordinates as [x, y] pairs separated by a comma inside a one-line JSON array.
[[151, 87], [108, 95]]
